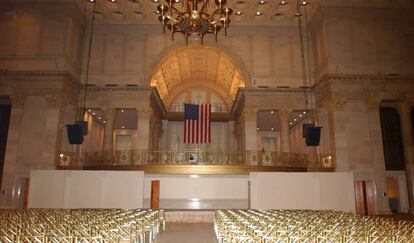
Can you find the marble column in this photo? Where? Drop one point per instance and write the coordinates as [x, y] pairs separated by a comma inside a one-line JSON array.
[[109, 115], [379, 175], [144, 128], [284, 130], [157, 132], [407, 134], [249, 123], [250, 129]]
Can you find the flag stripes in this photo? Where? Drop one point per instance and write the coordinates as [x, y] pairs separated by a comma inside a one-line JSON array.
[[197, 123]]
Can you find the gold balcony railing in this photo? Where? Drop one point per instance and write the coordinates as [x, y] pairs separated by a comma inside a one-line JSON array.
[[196, 157]]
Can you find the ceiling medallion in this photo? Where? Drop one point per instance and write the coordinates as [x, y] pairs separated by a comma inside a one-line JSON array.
[[194, 21]]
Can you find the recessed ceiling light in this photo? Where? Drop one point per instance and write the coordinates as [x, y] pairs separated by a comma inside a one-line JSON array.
[[123, 127], [300, 115], [283, 3], [271, 112], [273, 129], [122, 110], [261, 2], [93, 113], [238, 13], [257, 129], [294, 119], [89, 110], [112, 1], [304, 3], [258, 13], [99, 118]]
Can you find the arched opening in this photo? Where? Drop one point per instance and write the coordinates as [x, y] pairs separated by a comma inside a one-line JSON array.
[[198, 67]]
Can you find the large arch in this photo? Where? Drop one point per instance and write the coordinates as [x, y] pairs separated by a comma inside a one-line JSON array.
[[211, 64]]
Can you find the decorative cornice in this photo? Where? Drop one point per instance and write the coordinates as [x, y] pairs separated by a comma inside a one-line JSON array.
[[24, 76], [274, 90], [365, 77], [120, 88]]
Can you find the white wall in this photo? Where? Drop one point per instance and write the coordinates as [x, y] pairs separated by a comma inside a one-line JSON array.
[[314, 191], [86, 189], [204, 192], [205, 187]]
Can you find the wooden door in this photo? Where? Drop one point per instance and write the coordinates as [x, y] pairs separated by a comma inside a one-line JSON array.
[[365, 197], [26, 193], [370, 197], [155, 194]]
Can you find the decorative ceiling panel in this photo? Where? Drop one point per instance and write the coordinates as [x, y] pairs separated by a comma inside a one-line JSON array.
[[197, 64], [246, 12]]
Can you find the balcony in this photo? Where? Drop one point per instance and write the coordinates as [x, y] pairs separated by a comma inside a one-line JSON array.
[[195, 161]]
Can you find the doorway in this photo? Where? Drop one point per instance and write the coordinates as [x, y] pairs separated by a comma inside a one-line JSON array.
[[365, 197], [5, 109], [397, 191]]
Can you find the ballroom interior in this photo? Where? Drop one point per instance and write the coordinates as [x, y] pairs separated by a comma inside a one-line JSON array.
[[343, 66]]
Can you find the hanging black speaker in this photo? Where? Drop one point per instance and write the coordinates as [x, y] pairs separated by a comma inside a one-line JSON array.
[[313, 136], [84, 126], [75, 134], [305, 128]]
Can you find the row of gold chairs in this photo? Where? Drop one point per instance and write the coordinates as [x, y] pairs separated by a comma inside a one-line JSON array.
[[80, 225], [300, 226]]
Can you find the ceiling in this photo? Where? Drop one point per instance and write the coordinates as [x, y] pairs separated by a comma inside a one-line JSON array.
[[252, 12], [272, 12], [197, 65]]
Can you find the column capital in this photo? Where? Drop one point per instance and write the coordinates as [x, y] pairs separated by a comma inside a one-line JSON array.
[[145, 112], [336, 103], [55, 101], [405, 106], [109, 113], [373, 104], [250, 113], [18, 100], [284, 113]]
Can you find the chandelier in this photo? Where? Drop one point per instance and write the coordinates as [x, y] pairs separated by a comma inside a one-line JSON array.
[[194, 21]]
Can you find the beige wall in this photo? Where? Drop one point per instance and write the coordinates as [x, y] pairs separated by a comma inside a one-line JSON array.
[[40, 37], [124, 54], [363, 41]]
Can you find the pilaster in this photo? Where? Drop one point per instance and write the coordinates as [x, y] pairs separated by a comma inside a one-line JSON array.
[[405, 108]]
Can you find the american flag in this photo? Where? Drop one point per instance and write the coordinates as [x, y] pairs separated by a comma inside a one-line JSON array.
[[197, 123]]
